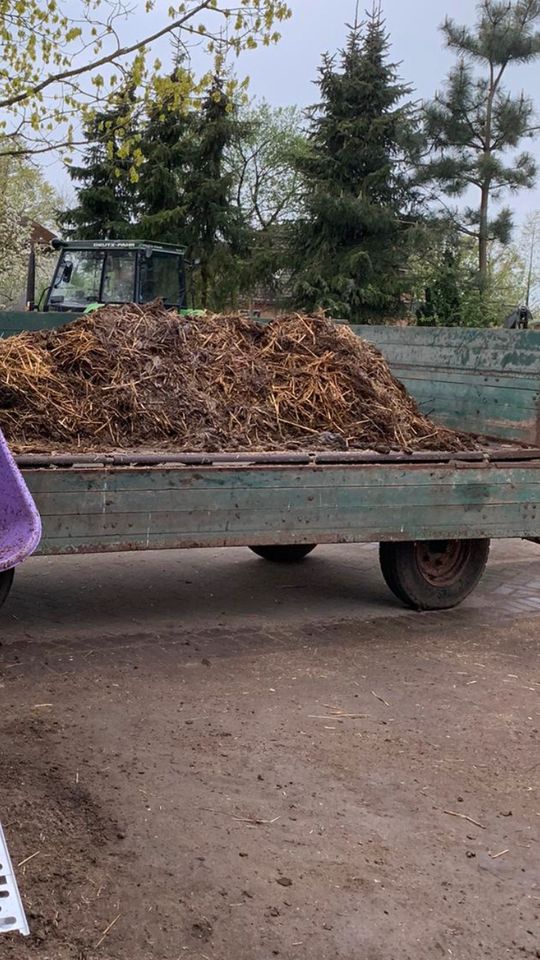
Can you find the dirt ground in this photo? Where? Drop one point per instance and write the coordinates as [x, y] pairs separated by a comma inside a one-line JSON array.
[[208, 757]]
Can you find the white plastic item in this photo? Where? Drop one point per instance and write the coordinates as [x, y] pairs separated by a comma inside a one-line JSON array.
[[12, 915]]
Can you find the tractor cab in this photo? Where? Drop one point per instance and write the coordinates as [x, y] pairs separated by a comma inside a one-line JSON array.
[[94, 272]]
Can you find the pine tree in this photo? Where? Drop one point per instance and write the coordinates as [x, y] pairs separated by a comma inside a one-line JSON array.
[[105, 179], [359, 195], [474, 121]]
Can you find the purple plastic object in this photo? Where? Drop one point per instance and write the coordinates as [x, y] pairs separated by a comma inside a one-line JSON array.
[[20, 525]]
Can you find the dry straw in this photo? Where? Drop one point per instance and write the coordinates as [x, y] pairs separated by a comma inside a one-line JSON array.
[[132, 376]]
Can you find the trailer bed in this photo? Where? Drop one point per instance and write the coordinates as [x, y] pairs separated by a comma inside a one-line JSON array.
[[155, 501], [432, 512]]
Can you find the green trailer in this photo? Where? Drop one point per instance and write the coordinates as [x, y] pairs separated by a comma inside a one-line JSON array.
[[433, 514]]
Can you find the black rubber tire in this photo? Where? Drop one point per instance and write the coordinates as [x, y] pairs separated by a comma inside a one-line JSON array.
[[6, 579], [290, 553], [411, 572]]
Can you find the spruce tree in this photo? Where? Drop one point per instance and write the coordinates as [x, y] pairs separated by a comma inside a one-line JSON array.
[[475, 125], [106, 179], [168, 145], [215, 231], [359, 195], [185, 188]]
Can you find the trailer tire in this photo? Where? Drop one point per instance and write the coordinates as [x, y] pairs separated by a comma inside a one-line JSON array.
[[288, 553], [433, 574], [6, 579]]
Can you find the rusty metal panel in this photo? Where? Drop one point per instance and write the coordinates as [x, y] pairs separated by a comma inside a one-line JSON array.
[[95, 510]]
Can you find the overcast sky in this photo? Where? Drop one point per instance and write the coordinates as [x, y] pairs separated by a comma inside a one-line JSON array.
[[284, 74]]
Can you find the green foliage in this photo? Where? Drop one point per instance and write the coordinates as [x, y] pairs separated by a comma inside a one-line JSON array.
[[447, 279], [25, 196], [475, 126], [186, 189], [167, 147], [353, 240], [214, 229], [24, 188], [183, 190], [264, 160], [106, 193], [527, 247], [60, 61], [220, 180]]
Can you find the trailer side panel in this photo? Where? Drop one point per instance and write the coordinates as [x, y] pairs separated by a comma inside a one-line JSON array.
[[108, 509], [477, 380]]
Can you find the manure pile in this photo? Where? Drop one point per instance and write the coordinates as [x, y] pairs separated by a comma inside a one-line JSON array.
[[134, 377]]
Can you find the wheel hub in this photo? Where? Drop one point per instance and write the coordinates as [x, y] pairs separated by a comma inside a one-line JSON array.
[[441, 561]]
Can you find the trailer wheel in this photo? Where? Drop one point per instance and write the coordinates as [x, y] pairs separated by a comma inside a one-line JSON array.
[[289, 553], [433, 574], [6, 579]]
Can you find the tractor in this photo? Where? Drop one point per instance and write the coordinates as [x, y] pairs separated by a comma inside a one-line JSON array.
[[90, 273]]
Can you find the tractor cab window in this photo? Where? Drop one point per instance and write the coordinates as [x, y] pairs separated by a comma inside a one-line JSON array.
[[161, 275], [77, 279], [119, 277]]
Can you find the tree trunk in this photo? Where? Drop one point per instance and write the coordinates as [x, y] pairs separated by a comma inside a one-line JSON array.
[[205, 278], [483, 231], [483, 237]]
